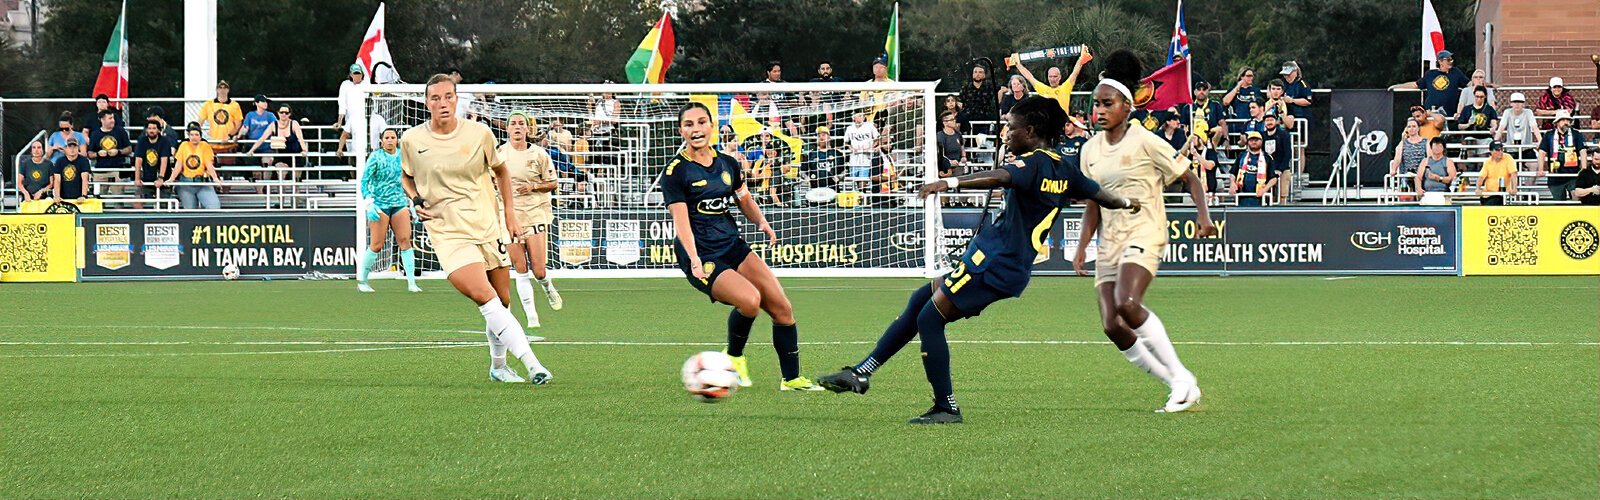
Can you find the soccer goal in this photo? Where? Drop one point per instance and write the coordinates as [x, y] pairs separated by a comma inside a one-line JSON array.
[[848, 209]]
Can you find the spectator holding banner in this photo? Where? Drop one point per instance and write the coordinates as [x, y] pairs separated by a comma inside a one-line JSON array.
[[67, 174], [1562, 152], [1441, 86], [1498, 178], [37, 173], [1054, 86]]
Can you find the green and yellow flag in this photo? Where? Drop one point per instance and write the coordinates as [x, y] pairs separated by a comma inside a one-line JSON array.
[[650, 61], [891, 46]]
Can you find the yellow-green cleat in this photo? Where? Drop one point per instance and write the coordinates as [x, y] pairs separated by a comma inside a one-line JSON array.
[[799, 384], [742, 367]]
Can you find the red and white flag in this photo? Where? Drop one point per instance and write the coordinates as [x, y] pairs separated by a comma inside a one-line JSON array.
[[1432, 34], [374, 53], [113, 79]]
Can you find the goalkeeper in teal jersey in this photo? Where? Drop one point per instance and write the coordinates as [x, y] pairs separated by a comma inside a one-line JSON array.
[[386, 207]]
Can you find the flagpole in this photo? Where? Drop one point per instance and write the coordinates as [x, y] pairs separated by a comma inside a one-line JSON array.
[[122, 54], [896, 41]]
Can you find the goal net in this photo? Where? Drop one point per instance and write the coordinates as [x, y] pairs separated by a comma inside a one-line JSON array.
[[839, 194]]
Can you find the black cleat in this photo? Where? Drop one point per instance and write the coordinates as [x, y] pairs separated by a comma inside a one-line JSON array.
[[846, 380], [937, 415]]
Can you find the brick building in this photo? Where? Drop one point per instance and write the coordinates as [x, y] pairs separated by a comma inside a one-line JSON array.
[[1529, 41]]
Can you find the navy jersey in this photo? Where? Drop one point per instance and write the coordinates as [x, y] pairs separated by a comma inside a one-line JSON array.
[[709, 192], [1042, 183], [1071, 146]]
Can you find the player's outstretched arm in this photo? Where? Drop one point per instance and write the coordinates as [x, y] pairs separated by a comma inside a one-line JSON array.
[[988, 179]]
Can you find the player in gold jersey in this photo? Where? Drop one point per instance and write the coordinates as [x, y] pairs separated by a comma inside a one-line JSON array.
[[450, 169], [533, 182], [1133, 162]]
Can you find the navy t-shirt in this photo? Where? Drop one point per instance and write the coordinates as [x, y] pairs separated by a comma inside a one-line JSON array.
[[1299, 90], [1278, 147], [1042, 183], [1211, 113], [1242, 100], [710, 194], [117, 139], [1071, 146], [823, 164], [1252, 170], [152, 152], [72, 172], [1442, 91]]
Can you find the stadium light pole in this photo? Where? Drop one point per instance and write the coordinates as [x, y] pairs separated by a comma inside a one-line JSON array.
[[200, 55]]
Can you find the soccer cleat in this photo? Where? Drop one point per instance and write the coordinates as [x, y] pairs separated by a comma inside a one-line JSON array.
[[554, 296], [505, 374], [413, 288], [937, 415], [844, 380], [742, 367], [799, 384], [1185, 393], [540, 377], [365, 288]]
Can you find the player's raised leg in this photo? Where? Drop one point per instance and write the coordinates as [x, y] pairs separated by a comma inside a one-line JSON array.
[[900, 332], [785, 333]]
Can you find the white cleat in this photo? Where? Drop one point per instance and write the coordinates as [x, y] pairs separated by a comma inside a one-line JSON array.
[[540, 377], [413, 288], [365, 288], [505, 374], [1185, 394], [555, 298]]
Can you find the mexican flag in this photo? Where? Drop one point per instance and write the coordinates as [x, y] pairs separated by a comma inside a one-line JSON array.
[[650, 61], [113, 80]]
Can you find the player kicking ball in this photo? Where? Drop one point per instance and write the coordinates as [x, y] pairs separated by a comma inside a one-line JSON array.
[[450, 170], [533, 179], [700, 187], [999, 260]]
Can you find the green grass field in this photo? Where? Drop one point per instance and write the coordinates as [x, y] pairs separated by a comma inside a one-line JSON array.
[[1363, 387]]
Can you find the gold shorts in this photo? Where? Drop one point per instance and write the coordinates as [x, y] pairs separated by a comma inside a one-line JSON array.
[[528, 218], [455, 254], [1112, 257]]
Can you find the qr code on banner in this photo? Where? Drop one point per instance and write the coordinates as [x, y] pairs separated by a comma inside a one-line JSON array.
[[24, 248], [1513, 240]]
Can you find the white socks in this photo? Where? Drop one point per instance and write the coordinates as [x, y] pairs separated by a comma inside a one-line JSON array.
[[525, 294], [1139, 354], [497, 350], [1153, 335], [503, 325]]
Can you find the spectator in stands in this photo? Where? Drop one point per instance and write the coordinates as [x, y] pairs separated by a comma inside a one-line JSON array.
[[607, 111], [1206, 159], [559, 137], [1498, 178], [259, 123], [1438, 172], [1277, 103], [1555, 100], [978, 103], [111, 145], [285, 138], [880, 71], [223, 116], [863, 138], [774, 74], [950, 144], [580, 148], [37, 173], [1204, 116], [152, 158], [1478, 80], [563, 163], [349, 98], [1410, 151], [160, 115], [1562, 152], [68, 173], [1298, 93], [196, 163], [1277, 144], [463, 99], [1077, 134], [65, 134], [826, 99], [1016, 89], [1253, 172], [1587, 184], [1479, 117], [1518, 129], [1172, 130], [1258, 115], [1243, 93], [102, 102], [1441, 86], [1429, 123], [823, 166]]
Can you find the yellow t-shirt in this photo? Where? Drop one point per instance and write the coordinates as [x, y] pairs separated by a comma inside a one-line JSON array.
[[1062, 94], [192, 159], [224, 118], [580, 151], [454, 174], [531, 165], [1497, 175], [1137, 168]]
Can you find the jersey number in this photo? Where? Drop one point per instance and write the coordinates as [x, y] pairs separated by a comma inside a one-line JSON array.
[[958, 278]]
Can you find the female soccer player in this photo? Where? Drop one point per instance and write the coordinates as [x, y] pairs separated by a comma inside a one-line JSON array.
[[533, 181], [387, 208], [699, 187], [1135, 163], [450, 169], [998, 261]]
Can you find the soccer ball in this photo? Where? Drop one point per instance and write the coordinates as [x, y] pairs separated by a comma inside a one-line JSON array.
[[230, 273], [709, 376]]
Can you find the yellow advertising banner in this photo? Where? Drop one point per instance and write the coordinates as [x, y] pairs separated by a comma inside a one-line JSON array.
[[1530, 240], [36, 248]]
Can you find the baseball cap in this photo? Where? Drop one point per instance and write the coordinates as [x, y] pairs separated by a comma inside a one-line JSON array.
[[1076, 122], [1202, 84], [822, 129], [1445, 54], [262, 98], [1497, 146], [1252, 135], [222, 84], [1289, 67], [1555, 81], [356, 68], [1518, 97]]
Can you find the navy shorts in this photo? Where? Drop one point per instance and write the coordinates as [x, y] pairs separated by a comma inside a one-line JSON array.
[[728, 261], [966, 289]]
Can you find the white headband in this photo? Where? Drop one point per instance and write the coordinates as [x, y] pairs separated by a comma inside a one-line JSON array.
[[1119, 86]]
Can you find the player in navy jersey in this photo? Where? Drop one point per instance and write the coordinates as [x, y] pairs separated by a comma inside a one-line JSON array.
[[998, 262], [700, 187]]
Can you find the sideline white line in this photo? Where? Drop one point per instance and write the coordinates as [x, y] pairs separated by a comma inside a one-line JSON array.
[[241, 353], [457, 343], [1337, 278]]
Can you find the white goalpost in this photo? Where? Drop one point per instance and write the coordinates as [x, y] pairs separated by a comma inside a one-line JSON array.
[[848, 212]]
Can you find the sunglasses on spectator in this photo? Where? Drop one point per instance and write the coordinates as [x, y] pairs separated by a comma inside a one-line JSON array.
[[283, 111]]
